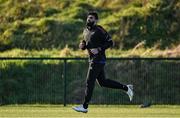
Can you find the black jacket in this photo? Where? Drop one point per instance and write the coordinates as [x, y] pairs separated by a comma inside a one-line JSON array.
[[97, 37]]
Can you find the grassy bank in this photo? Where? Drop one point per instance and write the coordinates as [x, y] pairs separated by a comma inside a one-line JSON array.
[[137, 51], [45, 24]]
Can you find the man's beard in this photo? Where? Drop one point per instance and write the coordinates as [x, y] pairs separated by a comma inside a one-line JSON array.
[[90, 24]]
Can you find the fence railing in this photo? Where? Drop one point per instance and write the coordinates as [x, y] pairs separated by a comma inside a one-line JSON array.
[[40, 80]]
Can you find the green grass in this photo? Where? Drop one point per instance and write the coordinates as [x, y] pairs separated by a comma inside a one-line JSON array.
[[68, 52], [48, 24], [95, 111]]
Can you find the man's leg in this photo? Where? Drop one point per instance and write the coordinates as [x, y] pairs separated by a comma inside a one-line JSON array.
[[114, 84], [103, 82], [93, 72]]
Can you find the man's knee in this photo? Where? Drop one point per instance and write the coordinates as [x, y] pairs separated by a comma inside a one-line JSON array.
[[89, 82], [102, 83]]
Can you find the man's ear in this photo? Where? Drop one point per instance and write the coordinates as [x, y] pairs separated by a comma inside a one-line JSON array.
[[96, 21]]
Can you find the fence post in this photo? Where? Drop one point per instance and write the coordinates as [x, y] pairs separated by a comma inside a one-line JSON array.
[[65, 66]]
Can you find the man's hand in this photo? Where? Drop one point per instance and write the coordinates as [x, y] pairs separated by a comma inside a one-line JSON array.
[[82, 45], [95, 50]]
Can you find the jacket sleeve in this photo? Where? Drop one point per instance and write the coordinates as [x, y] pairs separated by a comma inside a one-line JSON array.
[[106, 38]]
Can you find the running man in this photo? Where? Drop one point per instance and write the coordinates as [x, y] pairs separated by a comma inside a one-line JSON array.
[[96, 41]]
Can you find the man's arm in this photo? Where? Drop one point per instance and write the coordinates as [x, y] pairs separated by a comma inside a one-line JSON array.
[[107, 41], [106, 38]]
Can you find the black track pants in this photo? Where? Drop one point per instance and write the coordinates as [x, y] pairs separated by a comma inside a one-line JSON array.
[[96, 72]]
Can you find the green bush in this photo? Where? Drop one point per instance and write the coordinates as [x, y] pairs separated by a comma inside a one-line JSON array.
[[152, 24], [54, 24], [50, 12], [20, 82], [24, 10], [46, 33], [42, 81]]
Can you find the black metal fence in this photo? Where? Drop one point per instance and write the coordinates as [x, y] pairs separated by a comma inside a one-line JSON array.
[[62, 80]]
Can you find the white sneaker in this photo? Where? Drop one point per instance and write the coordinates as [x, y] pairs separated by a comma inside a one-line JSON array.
[[130, 92], [80, 109]]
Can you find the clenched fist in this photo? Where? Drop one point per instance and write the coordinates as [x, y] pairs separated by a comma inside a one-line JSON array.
[[82, 45]]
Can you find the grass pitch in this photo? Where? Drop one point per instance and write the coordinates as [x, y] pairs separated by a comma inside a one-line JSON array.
[[95, 111]]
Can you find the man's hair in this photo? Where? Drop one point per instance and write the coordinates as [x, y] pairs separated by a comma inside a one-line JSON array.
[[93, 13]]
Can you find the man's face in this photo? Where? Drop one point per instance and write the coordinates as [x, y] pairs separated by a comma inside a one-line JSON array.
[[91, 20]]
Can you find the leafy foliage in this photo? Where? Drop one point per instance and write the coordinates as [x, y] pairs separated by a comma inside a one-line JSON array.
[[42, 81], [54, 24]]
